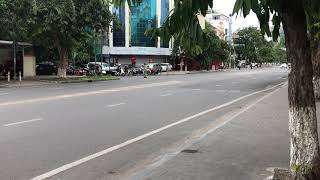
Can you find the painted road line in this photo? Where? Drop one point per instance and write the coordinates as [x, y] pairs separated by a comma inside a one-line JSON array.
[[2, 94], [89, 93], [196, 89], [22, 122], [141, 137], [165, 95], [115, 105], [218, 85], [234, 91], [220, 91]]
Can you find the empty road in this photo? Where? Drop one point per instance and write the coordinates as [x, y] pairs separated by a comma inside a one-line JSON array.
[[110, 130]]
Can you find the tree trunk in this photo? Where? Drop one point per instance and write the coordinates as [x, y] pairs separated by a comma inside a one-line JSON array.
[[62, 67], [315, 56], [304, 149]]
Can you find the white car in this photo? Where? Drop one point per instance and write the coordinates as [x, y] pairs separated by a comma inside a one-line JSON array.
[[104, 67], [284, 66], [166, 67]]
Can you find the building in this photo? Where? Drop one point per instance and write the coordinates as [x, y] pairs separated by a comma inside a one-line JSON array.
[[221, 23], [128, 42]]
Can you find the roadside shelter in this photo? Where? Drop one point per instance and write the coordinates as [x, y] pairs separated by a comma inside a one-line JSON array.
[[25, 60]]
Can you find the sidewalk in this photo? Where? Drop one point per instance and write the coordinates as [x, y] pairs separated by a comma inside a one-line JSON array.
[[25, 83], [247, 148]]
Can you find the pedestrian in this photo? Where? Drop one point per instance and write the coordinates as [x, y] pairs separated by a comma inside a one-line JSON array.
[[144, 70]]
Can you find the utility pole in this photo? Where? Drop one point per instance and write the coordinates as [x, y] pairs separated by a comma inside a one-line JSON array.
[[14, 60], [230, 41]]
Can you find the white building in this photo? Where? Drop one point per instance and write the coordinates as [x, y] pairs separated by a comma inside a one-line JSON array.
[[222, 24]]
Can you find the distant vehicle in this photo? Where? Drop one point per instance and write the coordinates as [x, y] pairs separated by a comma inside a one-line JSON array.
[[254, 64], [139, 68], [105, 68], [82, 70], [71, 70], [166, 67], [154, 68], [284, 66], [46, 69]]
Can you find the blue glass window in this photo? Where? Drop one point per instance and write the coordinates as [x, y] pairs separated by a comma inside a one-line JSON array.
[[119, 33], [143, 17], [164, 15]]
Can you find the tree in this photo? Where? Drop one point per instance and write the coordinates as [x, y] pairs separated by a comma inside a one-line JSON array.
[[314, 31], [63, 23], [304, 156], [249, 41], [15, 20], [213, 48]]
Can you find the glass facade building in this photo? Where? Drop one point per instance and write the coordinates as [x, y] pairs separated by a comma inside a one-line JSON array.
[[119, 34], [129, 40], [164, 14], [142, 18]]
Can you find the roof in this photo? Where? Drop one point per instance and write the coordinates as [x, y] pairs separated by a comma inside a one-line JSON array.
[[11, 42]]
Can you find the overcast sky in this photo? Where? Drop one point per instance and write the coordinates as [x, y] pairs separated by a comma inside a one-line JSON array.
[[226, 7]]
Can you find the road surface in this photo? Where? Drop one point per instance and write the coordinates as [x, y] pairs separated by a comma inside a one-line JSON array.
[[109, 130]]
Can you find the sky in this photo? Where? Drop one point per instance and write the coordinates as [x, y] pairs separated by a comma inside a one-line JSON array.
[[226, 7]]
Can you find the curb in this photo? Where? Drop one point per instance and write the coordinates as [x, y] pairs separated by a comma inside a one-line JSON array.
[[79, 81], [48, 82]]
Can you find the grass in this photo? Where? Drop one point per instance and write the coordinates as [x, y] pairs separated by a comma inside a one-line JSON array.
[[84, 78]]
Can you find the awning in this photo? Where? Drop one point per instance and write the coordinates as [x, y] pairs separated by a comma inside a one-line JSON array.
[[11, 42]]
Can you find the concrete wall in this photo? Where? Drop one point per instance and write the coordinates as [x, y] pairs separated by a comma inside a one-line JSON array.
[[29, 66]]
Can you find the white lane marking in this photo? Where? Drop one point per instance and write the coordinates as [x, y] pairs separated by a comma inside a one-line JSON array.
[[58, 97], [58, 88], [220, 91], [218, 85], [196, 89], [211, 128], [22, 122], [234, 91], [136, 139], [165, 95], [2, 94], [115, 105]]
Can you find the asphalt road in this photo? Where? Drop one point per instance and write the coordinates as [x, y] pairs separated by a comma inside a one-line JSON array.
[[44, 128]]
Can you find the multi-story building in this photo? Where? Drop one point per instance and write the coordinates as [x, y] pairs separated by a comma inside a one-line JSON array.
[[221, 24], [129, 41]]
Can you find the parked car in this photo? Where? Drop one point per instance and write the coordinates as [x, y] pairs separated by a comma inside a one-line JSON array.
[[255, 65], [46, 69], [105, 68], [166, 67], [154, 68], [284, 66]]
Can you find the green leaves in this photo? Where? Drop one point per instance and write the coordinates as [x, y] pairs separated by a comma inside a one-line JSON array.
[[237, 6]]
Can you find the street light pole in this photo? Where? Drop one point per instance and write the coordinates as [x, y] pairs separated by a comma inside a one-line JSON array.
[[14, 60]]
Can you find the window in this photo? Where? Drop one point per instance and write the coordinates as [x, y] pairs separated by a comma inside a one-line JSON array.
[[119, 34], [143, 17], [164, 15]]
